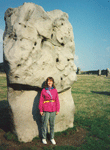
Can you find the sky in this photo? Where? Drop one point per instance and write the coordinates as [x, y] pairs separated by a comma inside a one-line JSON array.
[[90, 20]]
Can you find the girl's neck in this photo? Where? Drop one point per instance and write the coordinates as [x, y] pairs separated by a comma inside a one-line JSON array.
[[49, 87]]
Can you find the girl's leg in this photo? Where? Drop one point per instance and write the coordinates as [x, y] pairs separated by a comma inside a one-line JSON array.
[[52, 122], [45, 119]]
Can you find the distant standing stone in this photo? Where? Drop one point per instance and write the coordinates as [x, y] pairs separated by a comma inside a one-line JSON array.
[[108, 73], [78, 70], [99, 72]]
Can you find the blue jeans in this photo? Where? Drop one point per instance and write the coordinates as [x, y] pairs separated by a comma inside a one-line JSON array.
[[48, 116]]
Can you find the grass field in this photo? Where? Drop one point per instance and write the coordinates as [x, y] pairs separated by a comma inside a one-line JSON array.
[[91, 94], [92, 100], [3, 87]]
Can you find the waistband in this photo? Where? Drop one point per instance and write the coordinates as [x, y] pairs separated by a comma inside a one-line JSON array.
[[47, 101]]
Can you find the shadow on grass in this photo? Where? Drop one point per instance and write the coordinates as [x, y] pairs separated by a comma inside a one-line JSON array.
[[6, 122], [105, 93]]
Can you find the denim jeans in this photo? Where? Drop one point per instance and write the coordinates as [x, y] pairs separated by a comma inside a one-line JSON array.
[[48, 116]]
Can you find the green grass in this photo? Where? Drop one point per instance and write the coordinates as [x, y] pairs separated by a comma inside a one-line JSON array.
[[66, 132], [92, 101], [3, 88], [11, 137], [91, 94]]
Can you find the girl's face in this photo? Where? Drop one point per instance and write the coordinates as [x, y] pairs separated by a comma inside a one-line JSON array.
[[50, 82]]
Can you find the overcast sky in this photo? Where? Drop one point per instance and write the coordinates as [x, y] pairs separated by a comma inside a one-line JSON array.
[[91, 27]]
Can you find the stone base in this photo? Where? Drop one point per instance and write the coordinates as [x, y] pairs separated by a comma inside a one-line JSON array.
[[26, 117], [65, 118]]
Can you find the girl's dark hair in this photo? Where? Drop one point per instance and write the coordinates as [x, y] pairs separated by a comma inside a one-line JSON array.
[[46, 82]]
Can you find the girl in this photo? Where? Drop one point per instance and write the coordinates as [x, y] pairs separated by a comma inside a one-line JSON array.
[[49, 107]]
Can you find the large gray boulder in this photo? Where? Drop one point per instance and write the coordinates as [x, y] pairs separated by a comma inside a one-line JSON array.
[[38, 44]]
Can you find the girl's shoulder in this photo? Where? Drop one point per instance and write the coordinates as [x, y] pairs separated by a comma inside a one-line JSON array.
[[43, 89], [55, 90]]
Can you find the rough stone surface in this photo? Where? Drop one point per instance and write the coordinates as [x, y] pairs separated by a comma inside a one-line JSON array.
[[38, 44], [108, 73]]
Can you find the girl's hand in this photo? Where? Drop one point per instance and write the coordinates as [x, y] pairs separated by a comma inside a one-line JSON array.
[[57, 113], [41, 113]]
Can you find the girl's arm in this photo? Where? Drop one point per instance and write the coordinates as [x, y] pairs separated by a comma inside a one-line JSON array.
[[57, 104], [41, 102]]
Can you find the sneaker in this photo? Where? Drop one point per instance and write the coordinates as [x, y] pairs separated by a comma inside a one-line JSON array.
[[53, 141], [44, 141]]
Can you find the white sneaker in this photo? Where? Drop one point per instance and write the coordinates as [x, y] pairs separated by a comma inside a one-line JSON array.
[[44, 141], [53, 141]]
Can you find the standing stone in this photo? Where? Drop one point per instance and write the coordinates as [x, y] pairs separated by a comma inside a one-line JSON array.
[[78, 70], [38, 44], [108, 72], [99, 72]]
